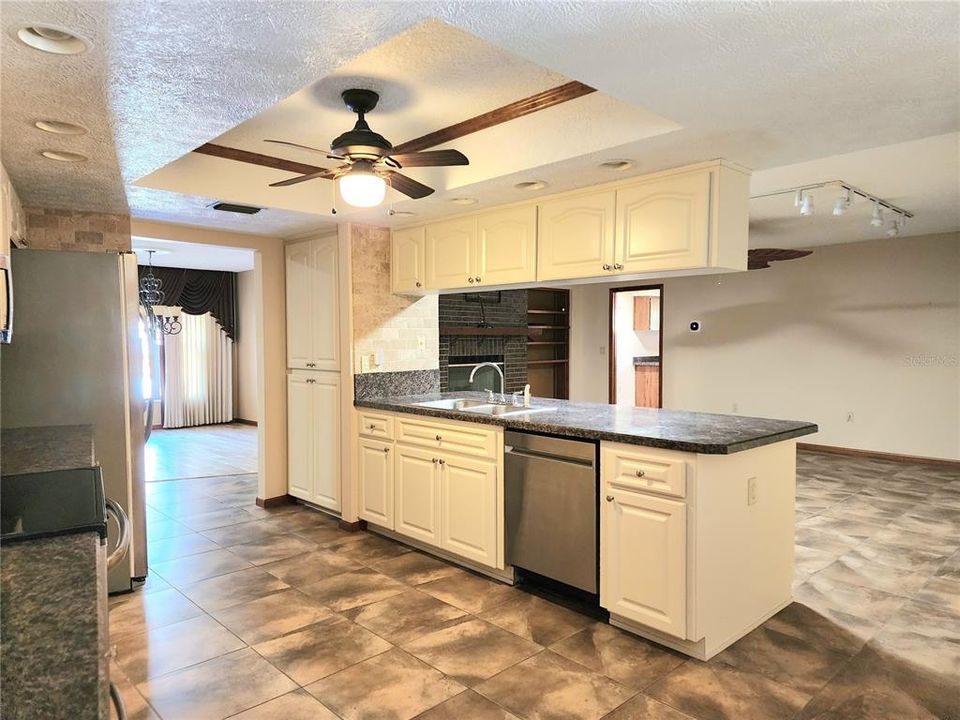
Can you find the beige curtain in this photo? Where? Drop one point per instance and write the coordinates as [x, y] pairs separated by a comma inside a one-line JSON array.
[[198, 374]]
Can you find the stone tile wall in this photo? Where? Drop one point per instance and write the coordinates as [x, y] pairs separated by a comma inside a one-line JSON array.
[[48, 229]]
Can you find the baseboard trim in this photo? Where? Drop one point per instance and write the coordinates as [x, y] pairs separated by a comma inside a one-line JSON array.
[[241, 421], [875, 454], [355, 526], [278, 501]]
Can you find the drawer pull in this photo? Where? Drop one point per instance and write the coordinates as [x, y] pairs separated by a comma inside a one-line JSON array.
[[640, 473], [609, 498], [470, 280], [478, 278], [386, 450], [618, 266], [434, 461], [311, 364], [442, 461], [311, 381], [419, 284], [606, 266], [372, 427], [439, 438]]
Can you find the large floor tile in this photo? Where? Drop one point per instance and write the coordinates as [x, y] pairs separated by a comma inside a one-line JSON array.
[[297, 705], [322, 649], [235, 588], [242, 533], [405, 617], [272, 616], [467, 706], [311, 568], [391, 686], [216, 519], [138, 611], [370, 549], [859, 610], [548, 686], [352, 589], [188, 570], [414, 568], [631, 661], [217, 688], [472, 650], [535, 619], [272, 549], [172, 647], [642, 707], [468, 591], [178, 546], [854, 569], [134, 703], [717, 692], [943, 592]]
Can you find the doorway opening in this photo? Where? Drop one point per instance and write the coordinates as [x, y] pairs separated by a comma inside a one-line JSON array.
[[636, 346]]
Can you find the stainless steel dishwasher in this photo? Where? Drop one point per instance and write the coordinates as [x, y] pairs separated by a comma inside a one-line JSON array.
[[550, 494]]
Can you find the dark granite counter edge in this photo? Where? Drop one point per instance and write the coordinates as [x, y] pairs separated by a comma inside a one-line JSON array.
[[536, 423]]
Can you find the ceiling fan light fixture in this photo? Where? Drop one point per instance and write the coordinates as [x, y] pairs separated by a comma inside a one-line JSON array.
[[361, 187]]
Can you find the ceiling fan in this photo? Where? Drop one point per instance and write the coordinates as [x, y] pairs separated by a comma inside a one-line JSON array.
[[370, 161], [760, 258]]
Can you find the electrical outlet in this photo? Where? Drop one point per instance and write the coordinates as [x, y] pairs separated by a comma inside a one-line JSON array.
[[421, 342], [752, 491], [365, 363], [850, 416]]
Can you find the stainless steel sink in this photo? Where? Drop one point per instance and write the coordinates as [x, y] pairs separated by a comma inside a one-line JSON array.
[[454, 404], [501, 410]]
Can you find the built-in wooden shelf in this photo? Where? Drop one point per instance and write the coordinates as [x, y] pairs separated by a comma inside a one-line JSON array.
[[496, 331]]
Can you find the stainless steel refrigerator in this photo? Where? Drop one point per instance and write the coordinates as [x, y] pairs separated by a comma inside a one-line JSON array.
[[77, 358]]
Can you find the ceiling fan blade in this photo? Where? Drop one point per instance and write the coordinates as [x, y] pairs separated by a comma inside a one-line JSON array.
[[329, 174], [299, 146], [408, 186], [432, 158]]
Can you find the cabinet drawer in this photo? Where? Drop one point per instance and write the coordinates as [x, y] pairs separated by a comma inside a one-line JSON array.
[[626, 468], [376, 425], [462, 438]]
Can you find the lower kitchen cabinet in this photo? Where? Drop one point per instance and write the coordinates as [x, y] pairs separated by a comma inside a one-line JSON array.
[[416, 494], [313, 437], [643, 567], [468, 508], [375, 474]]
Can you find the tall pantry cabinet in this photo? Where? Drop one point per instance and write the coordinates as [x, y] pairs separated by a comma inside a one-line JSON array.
[[313, 371]]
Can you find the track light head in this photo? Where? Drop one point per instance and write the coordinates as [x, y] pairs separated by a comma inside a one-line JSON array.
[[876, 219], [840, 206], [806, 205]]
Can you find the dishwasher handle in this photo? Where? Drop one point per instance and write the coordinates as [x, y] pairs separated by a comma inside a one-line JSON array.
[[541, 455]]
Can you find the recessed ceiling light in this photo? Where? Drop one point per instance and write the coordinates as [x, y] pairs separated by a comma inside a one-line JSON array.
[[58, 127], [64, 156], [531, 185], [52, 40], [616, 164], [463, 201]]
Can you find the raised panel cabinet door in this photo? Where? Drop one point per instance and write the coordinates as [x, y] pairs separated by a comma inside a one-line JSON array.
[[300, 431], [299, 304], [575, 236], [416, 494], [643, 560], [450, 260], [324, 313], [375, 473], [468, 508], [407, 262], [664, 224], [507, 246], [326, 439]]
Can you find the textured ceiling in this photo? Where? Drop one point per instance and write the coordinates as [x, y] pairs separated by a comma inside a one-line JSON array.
[[762, 84]]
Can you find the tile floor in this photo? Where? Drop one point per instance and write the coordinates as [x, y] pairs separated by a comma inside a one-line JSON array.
[[204, 451], [254, 614]]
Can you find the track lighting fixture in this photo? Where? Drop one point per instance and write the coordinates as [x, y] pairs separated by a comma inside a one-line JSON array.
[[876, 219], [806, 204], [842, 203], [895, 226]]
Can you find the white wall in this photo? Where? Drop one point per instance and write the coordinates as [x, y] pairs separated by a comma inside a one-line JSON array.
[[871, 328], [246, 347]]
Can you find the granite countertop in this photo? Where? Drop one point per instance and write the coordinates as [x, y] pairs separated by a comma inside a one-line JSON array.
[[644, 360], [669, 429], [41, 449]]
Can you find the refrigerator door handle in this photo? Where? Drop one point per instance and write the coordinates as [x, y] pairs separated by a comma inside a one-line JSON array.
[[123, 542]]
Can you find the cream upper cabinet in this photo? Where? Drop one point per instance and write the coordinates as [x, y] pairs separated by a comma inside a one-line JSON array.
[[416, 494], [313, 304], [575, 236], [468, 508], [507, 246], [407, 271], [643, 560], [451, 253], [375, 480], [313, 438], [664, 224]]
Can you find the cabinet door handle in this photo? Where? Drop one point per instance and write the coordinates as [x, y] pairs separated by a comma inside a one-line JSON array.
[[640, 473], [470, 279], [439, 437], [372, 427], [609, 498], [478, 278], [442, 461], [419, 284], [434, 461], [311, 381], [606, 266], [311, 364], [386, 450], [618, 266]]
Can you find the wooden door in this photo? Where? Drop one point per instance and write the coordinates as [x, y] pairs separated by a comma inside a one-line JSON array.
[[324, 312], [299, 304], [643, 560], [375, 473], [416, 494], [407, 261], [468, 508], [326, 439], [300, 433], [507, 246], [575, 236], [664, 224], [450, 260]]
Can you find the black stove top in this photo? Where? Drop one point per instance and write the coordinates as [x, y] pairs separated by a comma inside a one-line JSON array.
[[46, 504]]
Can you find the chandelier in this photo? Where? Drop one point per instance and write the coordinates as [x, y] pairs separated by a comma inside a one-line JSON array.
[[151, 294]]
